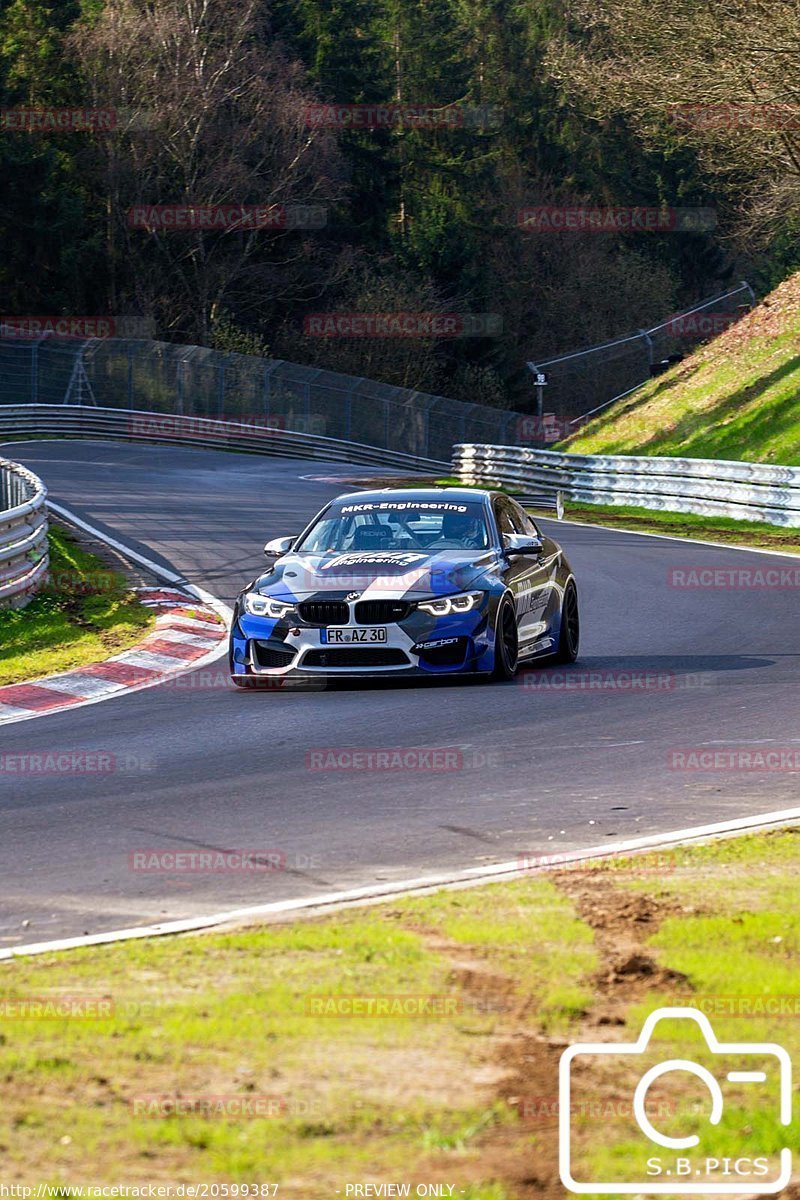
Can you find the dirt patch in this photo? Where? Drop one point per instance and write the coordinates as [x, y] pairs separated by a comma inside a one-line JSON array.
[[622, 923], [522, 1061]]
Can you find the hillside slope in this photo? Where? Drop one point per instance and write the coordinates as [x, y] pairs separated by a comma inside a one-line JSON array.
[[738, 396]]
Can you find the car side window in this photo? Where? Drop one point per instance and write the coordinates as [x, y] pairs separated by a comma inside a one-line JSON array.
[[504, 516], [501, 516], [526, 524]]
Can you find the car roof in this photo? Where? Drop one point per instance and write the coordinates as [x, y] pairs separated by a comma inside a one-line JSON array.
[[427, 493]]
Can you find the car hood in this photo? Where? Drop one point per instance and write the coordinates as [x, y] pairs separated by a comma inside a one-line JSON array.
[[388, 573]]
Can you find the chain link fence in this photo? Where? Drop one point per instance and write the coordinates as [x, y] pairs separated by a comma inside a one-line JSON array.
[[584, 382], [160, 377]]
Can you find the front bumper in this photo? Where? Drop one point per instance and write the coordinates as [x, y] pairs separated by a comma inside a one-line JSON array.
[[420, 645]]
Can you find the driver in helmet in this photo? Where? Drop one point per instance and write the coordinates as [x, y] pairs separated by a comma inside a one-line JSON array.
[[460, 531]]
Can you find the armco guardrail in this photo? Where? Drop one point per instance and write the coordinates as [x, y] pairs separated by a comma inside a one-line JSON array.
[[255, 435], [748, 491], [23, 534]]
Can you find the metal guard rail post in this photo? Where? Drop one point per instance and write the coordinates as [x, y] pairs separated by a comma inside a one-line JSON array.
[[88, 421], [23, 535], [705, 487]]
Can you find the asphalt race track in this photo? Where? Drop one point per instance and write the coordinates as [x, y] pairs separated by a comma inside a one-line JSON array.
[[544, 770]]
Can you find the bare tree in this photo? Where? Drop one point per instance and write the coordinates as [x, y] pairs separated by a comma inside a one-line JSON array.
[[561, 290], [723, 77], [375, 288], [213, 115]]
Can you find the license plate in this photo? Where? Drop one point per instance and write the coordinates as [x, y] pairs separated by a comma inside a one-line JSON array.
[[346, 637]]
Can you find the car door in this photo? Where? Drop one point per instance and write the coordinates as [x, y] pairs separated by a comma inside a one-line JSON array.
[[529, 576]]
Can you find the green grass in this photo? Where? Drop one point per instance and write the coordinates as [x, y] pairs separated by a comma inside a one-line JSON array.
[[738, 397], [86, 613], [403, 1099], [735, 935], [725, 530], [552, 966], [366, 1097]]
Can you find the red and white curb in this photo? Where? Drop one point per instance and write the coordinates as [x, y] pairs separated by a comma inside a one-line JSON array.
[[188, 634]]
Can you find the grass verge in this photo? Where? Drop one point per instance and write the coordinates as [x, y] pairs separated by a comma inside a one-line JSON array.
[[202, 1019], [720, 934], [734, 398], [724, 530], [86, 613], [462, 1094]]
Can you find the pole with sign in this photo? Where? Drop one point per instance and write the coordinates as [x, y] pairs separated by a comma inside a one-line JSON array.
[[540, 382]]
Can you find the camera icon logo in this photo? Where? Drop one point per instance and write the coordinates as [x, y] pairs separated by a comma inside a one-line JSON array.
[[758, 1074]]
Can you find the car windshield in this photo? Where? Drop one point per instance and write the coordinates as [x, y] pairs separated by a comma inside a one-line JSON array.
[[429, 525]]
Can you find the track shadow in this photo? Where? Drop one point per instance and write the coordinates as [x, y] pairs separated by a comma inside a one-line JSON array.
[[671, 666]]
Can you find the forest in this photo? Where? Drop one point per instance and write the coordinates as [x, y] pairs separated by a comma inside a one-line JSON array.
[[252, 174]]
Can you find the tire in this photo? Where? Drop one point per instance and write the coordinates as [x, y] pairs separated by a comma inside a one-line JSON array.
[[569, 637], [506, 642]]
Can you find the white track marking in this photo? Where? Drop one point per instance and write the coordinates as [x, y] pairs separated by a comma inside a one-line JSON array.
[[377, 893]]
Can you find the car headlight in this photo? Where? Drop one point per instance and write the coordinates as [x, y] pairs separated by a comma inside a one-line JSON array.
[[446, 605], [264, 606]]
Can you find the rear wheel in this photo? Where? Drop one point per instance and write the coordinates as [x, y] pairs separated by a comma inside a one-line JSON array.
[[570, 635], [506, 641]]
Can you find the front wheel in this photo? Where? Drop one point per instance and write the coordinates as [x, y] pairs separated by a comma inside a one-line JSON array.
[[506, 642], [570, 635]]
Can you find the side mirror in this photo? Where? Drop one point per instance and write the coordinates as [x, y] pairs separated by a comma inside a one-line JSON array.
[[279, 546], [521, 543]]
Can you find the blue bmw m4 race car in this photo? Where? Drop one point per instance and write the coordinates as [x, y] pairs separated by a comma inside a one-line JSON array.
[[407, 582]]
